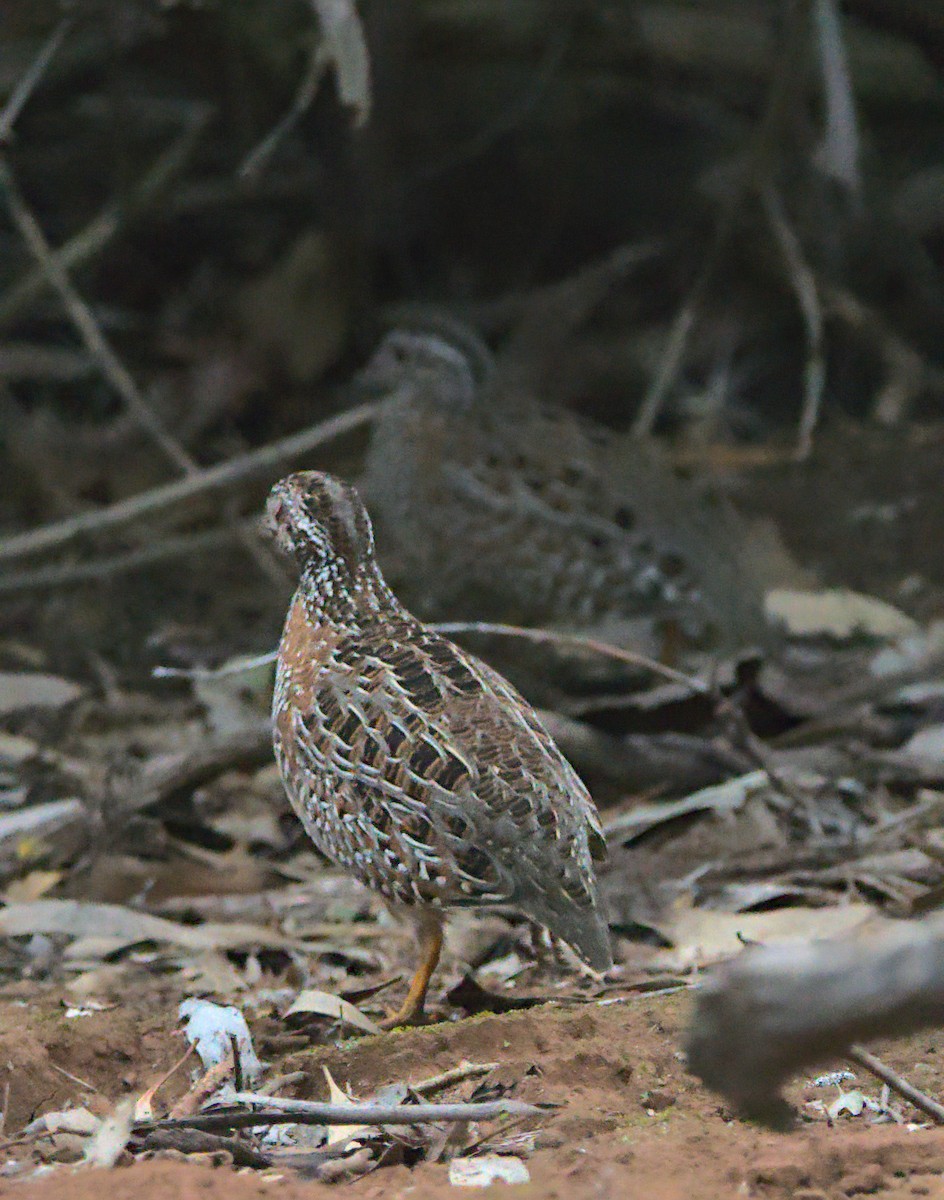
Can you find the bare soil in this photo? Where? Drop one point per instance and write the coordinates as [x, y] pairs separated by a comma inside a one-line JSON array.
[[631, 1120]]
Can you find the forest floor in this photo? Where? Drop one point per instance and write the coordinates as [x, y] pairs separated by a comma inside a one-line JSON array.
[[631, 1121], [109, 925], [202, 241]]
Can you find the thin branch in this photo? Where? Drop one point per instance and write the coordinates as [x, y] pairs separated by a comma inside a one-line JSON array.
[[763, 145], [898, 1083], [234, 666], [104, 227], [541, 636], [840, 151], [87, 327], [511, 115], [99, 569], [907, 371], [256, 463], [578, 642], [305, 1112], [257, 158], [807, 293], [466, 1070], [104, 355], [34, 73]]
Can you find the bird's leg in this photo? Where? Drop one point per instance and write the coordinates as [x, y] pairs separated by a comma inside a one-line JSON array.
[[429, 932]]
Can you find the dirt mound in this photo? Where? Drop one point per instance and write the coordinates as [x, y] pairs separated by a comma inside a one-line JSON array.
[[631, 1120]]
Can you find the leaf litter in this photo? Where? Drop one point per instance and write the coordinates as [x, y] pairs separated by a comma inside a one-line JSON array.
[[736, 862]]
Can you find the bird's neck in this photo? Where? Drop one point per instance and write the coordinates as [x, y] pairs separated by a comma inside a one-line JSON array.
[[332, 591]]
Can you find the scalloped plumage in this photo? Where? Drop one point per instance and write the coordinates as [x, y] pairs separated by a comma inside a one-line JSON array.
[[411, 762], [497, 506]]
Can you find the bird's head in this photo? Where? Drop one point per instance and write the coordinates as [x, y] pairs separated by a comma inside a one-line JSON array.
[[450, 369], [319, 518]]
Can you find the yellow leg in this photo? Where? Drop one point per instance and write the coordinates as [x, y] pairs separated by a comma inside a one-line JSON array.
[[430, 936]]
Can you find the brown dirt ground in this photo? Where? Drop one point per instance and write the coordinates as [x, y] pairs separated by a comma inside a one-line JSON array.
[[631, 1122]]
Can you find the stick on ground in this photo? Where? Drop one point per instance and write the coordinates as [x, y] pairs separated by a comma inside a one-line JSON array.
[[304, 1112]]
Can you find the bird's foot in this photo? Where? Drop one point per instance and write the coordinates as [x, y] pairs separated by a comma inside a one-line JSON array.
[[407, 1015]]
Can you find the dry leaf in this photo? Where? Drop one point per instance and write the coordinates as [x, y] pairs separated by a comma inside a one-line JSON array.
[[340, 1134], [925, 746], [112, 1135], [853, 1103], [16, 749], [727, 797], [212, 1028], [144, 1104], [838, 613], [324, 1004], [78, 918], [68, 1120], [31, 886], [701, 936], [20, 690], [487, 1169], [344, 45]]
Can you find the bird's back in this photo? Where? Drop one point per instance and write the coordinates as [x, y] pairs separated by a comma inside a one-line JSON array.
[[506, 509], [425, 773]]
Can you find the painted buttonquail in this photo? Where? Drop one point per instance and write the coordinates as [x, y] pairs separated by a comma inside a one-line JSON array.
[[494, 505], [409, 761]]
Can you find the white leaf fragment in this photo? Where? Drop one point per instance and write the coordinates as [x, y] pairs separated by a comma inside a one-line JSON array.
[[487, 1169], [20, 690], [210, 1029]]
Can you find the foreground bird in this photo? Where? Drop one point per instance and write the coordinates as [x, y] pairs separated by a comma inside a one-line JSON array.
[[409, 761]]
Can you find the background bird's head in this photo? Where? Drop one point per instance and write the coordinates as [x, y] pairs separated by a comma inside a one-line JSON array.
[[318, 518], [448, 367]]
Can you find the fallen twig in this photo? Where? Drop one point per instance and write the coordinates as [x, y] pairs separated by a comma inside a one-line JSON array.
[[898, 1083], [465, 1070], [209, 1082], [280, 1111], [201, 1141]]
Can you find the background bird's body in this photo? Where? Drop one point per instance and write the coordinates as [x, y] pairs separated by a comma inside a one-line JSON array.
[[497, 506], [419, 769]]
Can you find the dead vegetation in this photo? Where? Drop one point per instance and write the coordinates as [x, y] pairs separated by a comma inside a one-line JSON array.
[[717, 223]]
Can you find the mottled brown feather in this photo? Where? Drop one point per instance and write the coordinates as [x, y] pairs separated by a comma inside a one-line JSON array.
[[499, 506], [410, 762]]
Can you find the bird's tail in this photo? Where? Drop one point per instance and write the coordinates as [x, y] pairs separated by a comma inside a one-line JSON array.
[[583, 928]]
